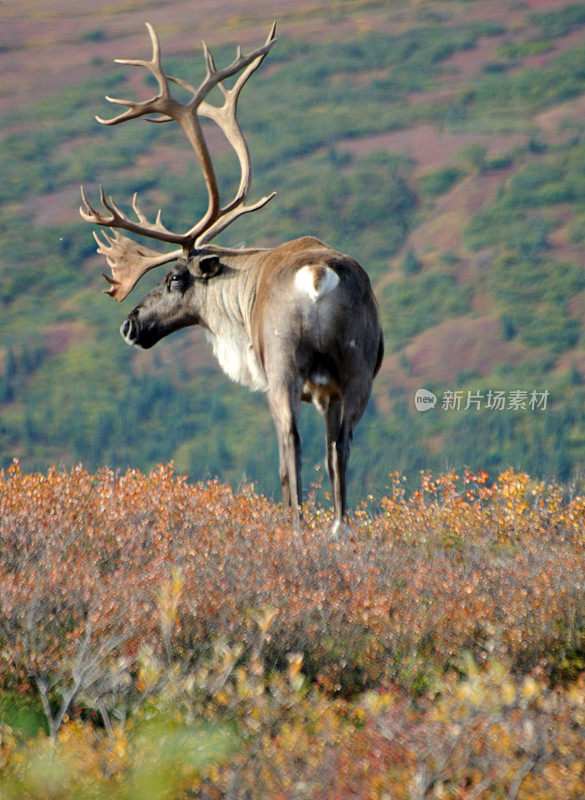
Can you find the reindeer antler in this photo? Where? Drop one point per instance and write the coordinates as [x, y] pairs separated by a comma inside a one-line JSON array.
[[128, 260]]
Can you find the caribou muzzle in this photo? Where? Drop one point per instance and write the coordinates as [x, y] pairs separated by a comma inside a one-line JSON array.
[[135, 332], [129, 330]]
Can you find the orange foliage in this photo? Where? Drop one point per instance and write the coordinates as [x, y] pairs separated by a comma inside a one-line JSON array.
[[123, 559], [109, 581]]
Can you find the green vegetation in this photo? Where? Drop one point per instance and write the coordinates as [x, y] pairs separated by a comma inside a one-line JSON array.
[[316, 121], [441, 181], [437, 297], [559, 22]]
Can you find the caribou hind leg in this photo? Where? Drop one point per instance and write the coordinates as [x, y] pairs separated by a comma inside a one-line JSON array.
[[284, 407], [340, 421], [338, 438]]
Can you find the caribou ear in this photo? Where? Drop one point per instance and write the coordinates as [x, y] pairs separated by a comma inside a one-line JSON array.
[[207, 266]]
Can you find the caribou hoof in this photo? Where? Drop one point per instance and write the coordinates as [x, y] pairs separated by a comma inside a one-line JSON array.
[[338, 530]]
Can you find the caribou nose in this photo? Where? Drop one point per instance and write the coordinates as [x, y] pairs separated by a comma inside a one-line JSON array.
[[129, 330]]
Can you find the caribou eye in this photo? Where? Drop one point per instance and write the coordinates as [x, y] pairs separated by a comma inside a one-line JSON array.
[[176, 280]]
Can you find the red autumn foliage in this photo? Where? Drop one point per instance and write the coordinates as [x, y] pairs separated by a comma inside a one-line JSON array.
[[115, 586], [496, 568]]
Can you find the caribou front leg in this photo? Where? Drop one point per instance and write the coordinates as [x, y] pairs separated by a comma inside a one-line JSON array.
[[284, 407]]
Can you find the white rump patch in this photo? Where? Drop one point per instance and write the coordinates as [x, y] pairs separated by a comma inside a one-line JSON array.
[[316, 280]]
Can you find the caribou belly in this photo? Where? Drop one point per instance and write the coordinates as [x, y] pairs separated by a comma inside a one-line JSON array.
[[238, 360]]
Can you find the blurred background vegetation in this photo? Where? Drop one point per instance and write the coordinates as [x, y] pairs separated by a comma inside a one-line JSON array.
[[442, 144]]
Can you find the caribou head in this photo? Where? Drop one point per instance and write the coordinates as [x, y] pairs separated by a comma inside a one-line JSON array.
[[298, 321], [176, 302]]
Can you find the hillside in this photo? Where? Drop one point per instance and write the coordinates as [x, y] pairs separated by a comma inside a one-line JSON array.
[[442, 144]]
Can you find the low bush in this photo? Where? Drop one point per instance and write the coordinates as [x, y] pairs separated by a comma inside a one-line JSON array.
[[180, 640]]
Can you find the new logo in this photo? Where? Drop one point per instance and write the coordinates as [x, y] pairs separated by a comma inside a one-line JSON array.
[[424, 400]]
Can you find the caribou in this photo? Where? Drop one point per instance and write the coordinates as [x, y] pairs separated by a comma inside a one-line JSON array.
[[298, 321]]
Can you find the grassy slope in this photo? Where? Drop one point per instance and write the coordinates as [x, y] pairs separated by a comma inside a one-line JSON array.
[[465, 137]]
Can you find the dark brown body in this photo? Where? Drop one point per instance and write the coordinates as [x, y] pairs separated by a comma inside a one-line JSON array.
[[326, 350]]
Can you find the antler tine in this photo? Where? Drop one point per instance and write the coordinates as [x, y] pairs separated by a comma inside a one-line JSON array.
[[87, 211], [144, 219], [270, 40], [215, 76], [154, 64], [162, 103], [129, 261], [209, 60], [226, 118], [118, 219], [228, 217]]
